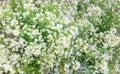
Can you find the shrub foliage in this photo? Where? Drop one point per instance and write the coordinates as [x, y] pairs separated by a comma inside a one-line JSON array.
[[60, 37]]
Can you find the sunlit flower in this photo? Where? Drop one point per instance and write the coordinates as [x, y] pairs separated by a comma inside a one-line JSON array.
[[14, 22]]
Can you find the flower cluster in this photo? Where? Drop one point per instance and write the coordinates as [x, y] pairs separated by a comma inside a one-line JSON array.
[[59, 37]]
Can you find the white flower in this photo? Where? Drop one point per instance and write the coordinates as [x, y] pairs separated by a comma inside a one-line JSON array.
[[105, 45], [35, 52], [16, 32], [14, 22], [76, 65], [31, 1], [67, 65], [65, 41], [93, 28], [94, 10], [2, 35], [113, 31], [1, 46], [21, 40], [112, 40], [39, 1], [101, 34], [26, 13], [105, 68], [95, 72], [7, 68]]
